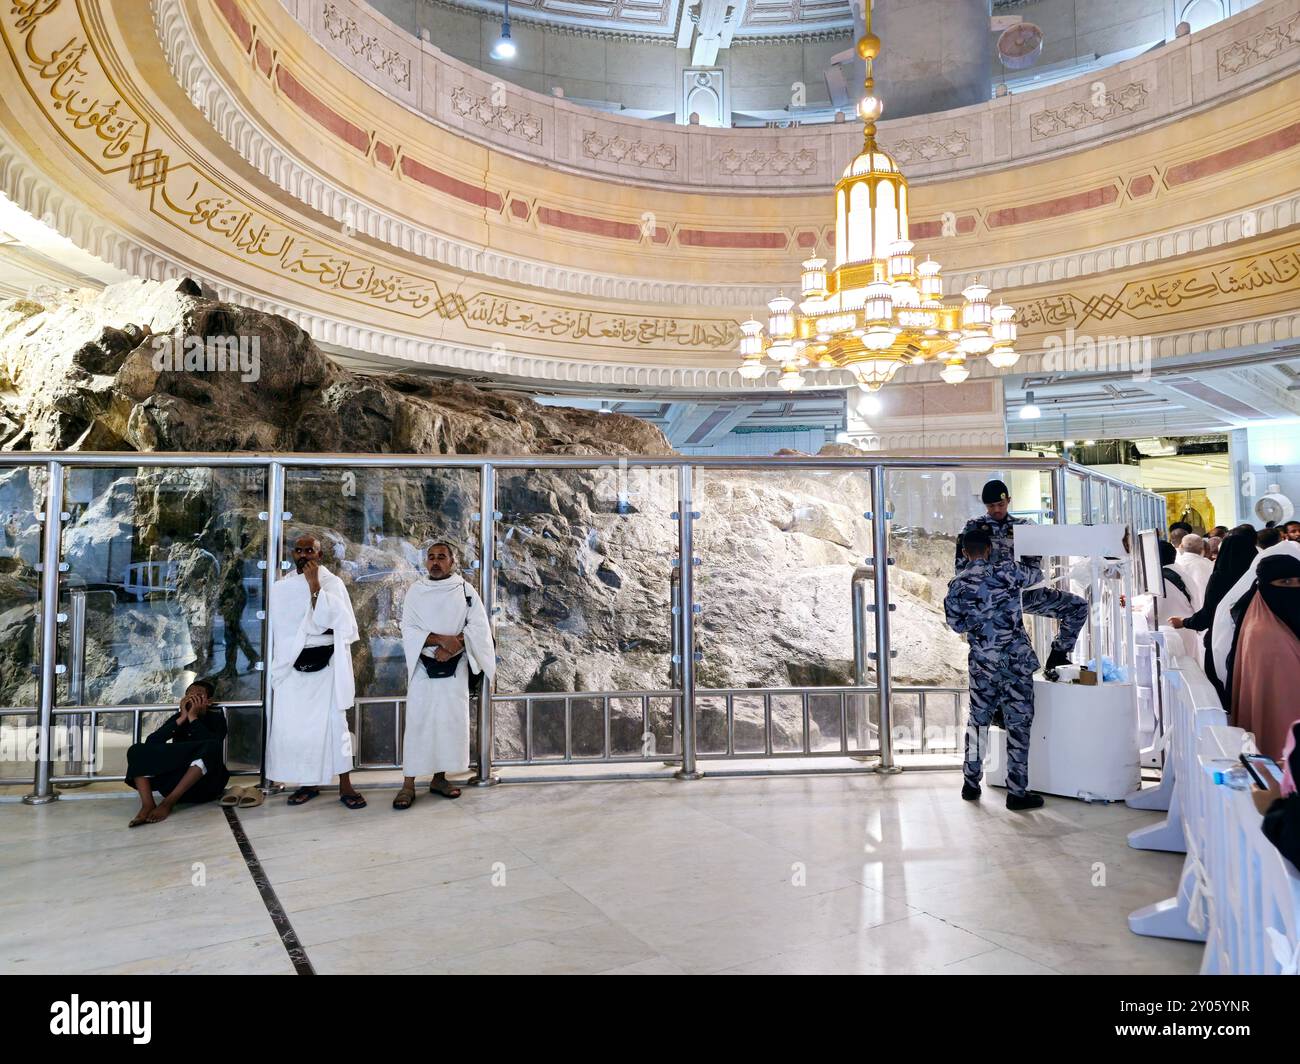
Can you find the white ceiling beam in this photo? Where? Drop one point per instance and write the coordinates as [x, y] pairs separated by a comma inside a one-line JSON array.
[[708, 32], [737, 416], [1263, 389], [685, 25]]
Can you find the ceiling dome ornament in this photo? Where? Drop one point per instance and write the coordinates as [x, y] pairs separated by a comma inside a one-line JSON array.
[[877, 309]]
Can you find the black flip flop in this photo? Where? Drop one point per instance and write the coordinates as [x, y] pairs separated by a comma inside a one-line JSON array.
[[353, 801], [303, 795]]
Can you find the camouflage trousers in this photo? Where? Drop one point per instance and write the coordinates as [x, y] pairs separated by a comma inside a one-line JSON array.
[[1070, 610], [1001, 681]]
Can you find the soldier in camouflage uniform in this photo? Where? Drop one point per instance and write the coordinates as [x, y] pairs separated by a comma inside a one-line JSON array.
[[983, 601], [1070, 610]]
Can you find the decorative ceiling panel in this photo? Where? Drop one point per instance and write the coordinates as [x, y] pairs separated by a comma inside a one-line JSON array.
[[607, 16], [796, 16]]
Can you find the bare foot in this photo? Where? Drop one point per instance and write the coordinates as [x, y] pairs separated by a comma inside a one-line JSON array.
[[160, 814], [142, 817]]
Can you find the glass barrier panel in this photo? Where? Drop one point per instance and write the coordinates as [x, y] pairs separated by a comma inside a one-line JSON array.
[[630, 733], [930, 508], [244, 738], [587, 723], [826, 726], [375, 525], [1074, 514], [378, 738], [162, 585], [22, 497], [778, 552], [18, 736], [1096, 501], [787, 724], [664, 738], [711, 726], [508, 742], [584, 590], [548, 734]]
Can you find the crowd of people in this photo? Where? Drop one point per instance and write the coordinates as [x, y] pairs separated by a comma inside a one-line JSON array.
[[1236, 590], [1247, 611], [448, 646]]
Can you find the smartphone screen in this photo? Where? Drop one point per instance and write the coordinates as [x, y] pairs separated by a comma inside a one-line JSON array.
[[1262, 764]]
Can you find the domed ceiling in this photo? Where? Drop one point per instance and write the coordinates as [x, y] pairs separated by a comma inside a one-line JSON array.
[[662, 17]]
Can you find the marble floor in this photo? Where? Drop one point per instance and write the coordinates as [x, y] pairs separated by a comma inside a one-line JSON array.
[[851, 873]]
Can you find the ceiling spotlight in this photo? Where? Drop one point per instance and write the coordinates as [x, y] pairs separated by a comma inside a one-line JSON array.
[[1030, 410], [505, 47]]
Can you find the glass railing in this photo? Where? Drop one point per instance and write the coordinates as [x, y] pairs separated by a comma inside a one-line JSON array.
[[665, 611]]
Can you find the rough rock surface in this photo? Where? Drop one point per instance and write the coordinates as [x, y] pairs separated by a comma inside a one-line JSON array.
[[586, 555]]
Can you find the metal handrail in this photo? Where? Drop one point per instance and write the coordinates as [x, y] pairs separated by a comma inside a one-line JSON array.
[[145, 459]]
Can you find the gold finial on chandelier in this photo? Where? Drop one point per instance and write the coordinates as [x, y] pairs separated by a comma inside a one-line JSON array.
[[870, 107]]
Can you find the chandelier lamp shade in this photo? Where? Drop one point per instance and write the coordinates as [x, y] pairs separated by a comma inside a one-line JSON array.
[[877, 309]]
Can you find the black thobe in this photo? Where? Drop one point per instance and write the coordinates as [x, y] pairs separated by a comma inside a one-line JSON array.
[[166, 756]]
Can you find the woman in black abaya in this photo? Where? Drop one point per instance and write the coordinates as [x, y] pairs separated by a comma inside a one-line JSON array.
[[1236, 552]]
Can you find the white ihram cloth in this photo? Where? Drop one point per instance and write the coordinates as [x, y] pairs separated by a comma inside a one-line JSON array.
[[1195, 569], [309, 743], [436, 738]]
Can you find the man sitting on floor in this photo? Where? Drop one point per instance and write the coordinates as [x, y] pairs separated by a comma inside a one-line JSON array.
[[183, 760]]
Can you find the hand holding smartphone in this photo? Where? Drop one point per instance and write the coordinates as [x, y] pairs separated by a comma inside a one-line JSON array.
[[1261, 767]]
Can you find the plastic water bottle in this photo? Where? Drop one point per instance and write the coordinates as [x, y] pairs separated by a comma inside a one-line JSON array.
[[1236, 777]]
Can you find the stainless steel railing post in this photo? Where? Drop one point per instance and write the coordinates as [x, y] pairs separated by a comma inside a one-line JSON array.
[[274, 534], [74, 727], [880, 540], [487, 556], [686, 617], [861, 654], [674, 659], [51, 548]]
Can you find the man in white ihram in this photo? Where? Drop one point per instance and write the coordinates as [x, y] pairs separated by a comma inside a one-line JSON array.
[[1194, 567], [312, 632], [446, 637]]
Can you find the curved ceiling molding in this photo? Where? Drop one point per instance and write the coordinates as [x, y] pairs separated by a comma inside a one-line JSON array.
[[1236, 55], [244, 131], [276, 162]]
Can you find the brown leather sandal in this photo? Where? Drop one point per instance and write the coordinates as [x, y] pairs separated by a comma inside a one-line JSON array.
[[405, 798]]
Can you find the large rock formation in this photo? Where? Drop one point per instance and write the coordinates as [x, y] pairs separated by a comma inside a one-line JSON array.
[[167, 558]]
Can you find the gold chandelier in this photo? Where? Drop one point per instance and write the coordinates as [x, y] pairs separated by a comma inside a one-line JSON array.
[[878, 309]]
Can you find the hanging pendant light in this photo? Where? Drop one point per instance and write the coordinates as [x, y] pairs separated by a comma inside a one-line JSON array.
[[504, 47], [875, 308]]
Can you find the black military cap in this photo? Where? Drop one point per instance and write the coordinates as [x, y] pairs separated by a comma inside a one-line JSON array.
[[995, 491]]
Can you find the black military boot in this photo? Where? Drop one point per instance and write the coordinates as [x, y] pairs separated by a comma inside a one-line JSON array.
[[1028, 800], [970, 792]]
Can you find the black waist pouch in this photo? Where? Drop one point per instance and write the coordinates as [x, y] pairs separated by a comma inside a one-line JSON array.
[[440, 670], [313, 659]]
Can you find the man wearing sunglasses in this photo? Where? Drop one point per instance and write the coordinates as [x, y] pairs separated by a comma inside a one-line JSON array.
[[312, 632]]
